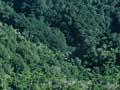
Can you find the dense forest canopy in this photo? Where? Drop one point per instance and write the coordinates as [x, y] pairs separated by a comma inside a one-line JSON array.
[[59, 44]]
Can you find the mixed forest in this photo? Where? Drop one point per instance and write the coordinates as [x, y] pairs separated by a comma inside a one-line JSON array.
[[59, 44]]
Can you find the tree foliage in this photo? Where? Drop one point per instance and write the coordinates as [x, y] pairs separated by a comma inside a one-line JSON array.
[[59, 44]]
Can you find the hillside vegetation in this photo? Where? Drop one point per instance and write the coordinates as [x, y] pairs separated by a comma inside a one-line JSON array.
[[59, 44]]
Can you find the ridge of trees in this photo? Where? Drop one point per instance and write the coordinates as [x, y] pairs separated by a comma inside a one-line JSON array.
[[59, 44]]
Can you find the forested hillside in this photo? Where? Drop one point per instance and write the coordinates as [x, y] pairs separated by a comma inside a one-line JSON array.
[[59, 44]]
